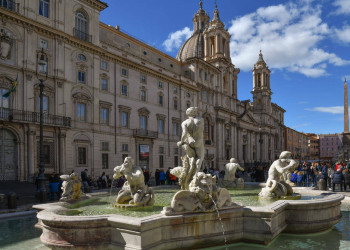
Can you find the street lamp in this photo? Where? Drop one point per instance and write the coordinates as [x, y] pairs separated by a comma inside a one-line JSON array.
[[261, 142], [41, 74]]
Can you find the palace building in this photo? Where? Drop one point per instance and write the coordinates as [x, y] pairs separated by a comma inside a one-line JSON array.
[[109, 95]]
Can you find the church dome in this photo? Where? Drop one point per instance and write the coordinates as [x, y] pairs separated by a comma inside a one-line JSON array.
[[193, 47]]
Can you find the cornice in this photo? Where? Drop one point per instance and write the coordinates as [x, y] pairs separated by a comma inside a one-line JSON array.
[[96, 4]]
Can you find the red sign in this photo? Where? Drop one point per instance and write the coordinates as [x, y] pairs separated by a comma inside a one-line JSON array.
[[144, 152]]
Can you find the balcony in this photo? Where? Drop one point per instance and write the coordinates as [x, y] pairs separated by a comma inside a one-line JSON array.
[[10, 5], [21, 116], [81, 35], [145, 133]]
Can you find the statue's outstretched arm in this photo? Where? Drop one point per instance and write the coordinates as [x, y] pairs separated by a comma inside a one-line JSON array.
[[240, 168]]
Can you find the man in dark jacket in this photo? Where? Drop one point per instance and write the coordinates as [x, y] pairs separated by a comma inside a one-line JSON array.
[[338, 178], [346, 178]]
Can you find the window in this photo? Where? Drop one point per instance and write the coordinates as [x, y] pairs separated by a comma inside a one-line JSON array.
[[104, 65], [104, 84], [175, 90], [44, 44], [160, 85], [44, 8], [176, 161], [161, 161], [104, 161], [45, 104], [227, 134], [81, 26], [125, 147], [176, 151], [125, 120], [4, 101], [161, 150], [104, 116], [143, 78], [124, 90], [81, 77], [81, 57], [46, 154], [143, 122], [82, 156], [105, 146], [124, 72], [160, 99], [188, 104], [205, 76], [143, 95], [161, 126], [175, 128], [188, 95], [175, 104], [81, 112]]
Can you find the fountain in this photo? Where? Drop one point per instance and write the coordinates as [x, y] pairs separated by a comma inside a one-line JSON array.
[[199, 215], [230, 179]]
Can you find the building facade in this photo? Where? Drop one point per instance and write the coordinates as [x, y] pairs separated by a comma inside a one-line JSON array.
[[330, 145], [109, 95], [313, 142], [297, 143]]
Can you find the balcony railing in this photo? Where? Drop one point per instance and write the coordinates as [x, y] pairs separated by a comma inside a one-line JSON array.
[[145, 133], [81, 35], [33, 117], [10, 5]]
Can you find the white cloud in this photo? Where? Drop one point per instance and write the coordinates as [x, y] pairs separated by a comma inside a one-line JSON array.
[[331, 110], [289, 35], [176, 39], [343, 34], [343, 6]]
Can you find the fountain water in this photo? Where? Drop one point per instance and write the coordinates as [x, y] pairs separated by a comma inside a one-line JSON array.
[[222, 224]]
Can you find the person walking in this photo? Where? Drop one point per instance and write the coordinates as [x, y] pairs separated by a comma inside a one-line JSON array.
[[346, 179], [162, 177], [338, 178], [84, 179]]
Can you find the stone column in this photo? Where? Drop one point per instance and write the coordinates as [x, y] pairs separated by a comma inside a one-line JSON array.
[[31, 151], [346, 108], [239, 145]]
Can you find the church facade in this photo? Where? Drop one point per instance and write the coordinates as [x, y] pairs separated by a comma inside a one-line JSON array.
[[109, 95]]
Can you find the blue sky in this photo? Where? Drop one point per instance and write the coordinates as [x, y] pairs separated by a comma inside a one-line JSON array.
[[304, 42]]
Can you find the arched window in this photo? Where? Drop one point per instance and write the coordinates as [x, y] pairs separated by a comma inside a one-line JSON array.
[[81, 26]]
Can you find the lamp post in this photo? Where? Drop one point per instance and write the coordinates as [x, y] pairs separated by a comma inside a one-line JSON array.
[[41, 74], [261, 142]]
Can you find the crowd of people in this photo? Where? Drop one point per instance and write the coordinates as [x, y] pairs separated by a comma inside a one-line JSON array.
[[306, 175]]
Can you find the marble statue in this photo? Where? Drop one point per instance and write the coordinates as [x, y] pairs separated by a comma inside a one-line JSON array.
[[276, 187], [134, 192], [203, 196], [192, 138], [230, 179], [71, 188], [199, 191]]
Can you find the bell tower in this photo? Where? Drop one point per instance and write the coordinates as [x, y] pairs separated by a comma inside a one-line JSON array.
[[261, 86], [217, 39], [200, 20]]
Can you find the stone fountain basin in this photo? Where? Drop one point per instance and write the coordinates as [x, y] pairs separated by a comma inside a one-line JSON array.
[[242, 224]]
